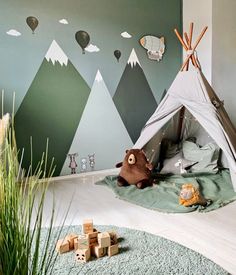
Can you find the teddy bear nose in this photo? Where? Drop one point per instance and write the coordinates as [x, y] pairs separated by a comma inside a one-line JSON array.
[[131, 159]]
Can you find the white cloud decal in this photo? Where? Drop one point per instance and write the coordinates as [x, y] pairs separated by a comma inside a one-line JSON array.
[[126, 35], [63, 21], [92, 48], [13, 33]]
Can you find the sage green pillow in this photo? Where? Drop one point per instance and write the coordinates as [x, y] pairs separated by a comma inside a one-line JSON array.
[[207, 156]]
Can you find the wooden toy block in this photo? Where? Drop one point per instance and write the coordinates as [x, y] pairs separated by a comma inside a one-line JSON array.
[[76, 243], [92, 248], [113, 250], [93, 237], [62, 246], [82, 242], [113, 237], [98, 251], [70, 238], [87, 226], [104, 239], [82, 255]]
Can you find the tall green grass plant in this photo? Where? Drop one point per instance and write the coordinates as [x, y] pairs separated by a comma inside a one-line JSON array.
[[22, 201]]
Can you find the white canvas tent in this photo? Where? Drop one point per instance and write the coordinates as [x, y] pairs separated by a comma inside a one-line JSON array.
[[190, 90]]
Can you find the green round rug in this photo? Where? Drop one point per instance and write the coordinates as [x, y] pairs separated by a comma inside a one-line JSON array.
[[140, 253]]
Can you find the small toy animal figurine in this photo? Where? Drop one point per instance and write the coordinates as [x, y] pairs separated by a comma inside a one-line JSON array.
[[73, 163], [83, 165], [92, 161], [179, 164]]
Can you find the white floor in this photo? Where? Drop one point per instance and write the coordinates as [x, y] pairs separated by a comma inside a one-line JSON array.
[[212, 234]]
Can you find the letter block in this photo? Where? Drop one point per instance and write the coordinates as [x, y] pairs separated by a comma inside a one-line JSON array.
[[87, 226], [82, 242], [82, 255], [113, 250], [93, 237], [113, 237], [70, 238], [104, 239], [62, 246], [98, 251]]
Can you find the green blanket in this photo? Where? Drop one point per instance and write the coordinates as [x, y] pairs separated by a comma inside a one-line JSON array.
[[164, 196]]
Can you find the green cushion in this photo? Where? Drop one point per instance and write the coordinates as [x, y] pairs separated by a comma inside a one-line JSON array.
[[207, 156]]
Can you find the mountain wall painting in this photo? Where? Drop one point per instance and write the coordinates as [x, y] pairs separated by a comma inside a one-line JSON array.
[[51, 109], [134, 99], [101, 131]]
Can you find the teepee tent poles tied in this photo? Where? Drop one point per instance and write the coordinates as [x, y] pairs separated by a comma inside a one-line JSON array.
[[188, 47]]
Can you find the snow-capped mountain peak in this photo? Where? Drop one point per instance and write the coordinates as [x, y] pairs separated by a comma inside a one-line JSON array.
[[98, 77], [133, 59], [55, 53]]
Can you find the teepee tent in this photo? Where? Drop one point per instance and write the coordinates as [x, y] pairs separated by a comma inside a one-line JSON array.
[[190, 93]]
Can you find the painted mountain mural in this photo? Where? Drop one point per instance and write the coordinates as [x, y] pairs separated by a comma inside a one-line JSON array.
[[133, 98], [101, 131], [52, 108]]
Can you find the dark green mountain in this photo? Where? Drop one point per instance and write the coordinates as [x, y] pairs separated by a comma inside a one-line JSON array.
[[52, 108], [133, 98]]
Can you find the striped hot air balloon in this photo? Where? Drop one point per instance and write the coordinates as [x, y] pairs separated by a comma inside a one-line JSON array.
[[155, 46]]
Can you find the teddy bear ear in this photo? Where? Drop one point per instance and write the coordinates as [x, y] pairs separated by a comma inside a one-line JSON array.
[[126, 151]]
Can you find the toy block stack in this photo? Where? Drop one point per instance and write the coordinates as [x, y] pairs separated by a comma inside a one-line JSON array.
[[89, 243]]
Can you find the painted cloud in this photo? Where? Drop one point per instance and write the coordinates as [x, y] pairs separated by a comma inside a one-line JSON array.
[[126, 35], [63, 21], [92, 48], [13, 33]]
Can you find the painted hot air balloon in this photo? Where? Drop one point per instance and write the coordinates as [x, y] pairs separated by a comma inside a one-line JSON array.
[[32, 22], [82, 38], [117, 54], [155, 46]]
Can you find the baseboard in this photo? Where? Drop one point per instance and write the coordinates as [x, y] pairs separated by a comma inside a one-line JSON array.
[[86, 174]]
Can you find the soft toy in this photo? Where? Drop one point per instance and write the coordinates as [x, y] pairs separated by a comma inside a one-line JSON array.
[[190, 195], [135, 169]]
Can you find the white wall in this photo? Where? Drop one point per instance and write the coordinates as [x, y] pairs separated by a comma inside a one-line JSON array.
[[200, 13], [224, 53]]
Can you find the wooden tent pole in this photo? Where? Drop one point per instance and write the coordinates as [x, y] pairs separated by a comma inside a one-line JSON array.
[[194, 47], [199, 38], [181, 40], [190, 43], [189, 48], [190, 34], [184, 45], [180, 126], [194, 61]]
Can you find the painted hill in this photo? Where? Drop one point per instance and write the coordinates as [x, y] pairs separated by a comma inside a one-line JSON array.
[[101, 130], [52, 108], [133, 98]]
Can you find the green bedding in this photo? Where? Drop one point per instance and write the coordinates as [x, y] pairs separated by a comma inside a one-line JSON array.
[[164, 195]]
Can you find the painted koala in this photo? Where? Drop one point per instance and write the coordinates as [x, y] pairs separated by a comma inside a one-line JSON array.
[[135, 169]]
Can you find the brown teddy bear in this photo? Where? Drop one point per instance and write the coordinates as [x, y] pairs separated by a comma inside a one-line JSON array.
[[135, 169]]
